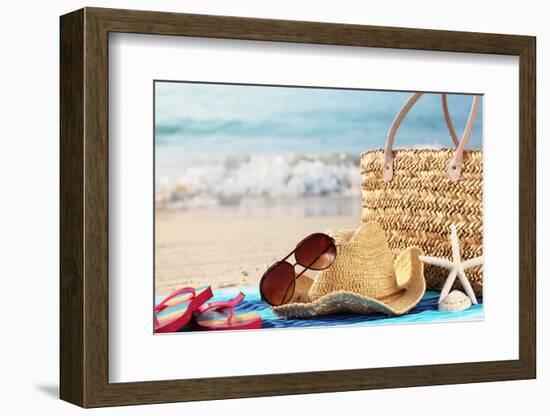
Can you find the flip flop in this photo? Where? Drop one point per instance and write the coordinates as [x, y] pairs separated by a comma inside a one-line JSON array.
[[176, 310], [220, 315]]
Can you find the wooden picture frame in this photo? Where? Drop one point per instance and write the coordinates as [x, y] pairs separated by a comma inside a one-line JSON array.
[[84, 207]]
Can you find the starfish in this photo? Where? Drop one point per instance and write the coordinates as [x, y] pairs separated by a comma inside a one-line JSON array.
[[456, 267]]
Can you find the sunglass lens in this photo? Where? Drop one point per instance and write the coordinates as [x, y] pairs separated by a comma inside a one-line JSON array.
[[277, 285], [316, 252]]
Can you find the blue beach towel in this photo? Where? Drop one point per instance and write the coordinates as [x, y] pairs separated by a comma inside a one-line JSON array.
[[425, 312]]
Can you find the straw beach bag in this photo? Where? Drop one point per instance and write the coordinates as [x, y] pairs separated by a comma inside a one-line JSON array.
[[416, 194]]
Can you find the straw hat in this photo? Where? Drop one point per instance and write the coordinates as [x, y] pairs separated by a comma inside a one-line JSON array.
[[364, 278]]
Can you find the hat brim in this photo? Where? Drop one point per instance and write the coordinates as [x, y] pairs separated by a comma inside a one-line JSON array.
[[410, 279]]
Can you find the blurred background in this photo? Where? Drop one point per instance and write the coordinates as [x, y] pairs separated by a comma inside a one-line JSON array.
[[258, 146]]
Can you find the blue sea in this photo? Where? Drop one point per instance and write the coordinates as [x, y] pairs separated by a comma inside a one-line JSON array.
[[220, 144]]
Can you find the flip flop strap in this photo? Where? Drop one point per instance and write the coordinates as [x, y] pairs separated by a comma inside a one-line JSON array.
[[229, 305], [220, 306], [162, 305]]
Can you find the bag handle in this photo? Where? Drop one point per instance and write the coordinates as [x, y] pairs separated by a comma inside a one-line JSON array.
[[455, 165], [448, 120]]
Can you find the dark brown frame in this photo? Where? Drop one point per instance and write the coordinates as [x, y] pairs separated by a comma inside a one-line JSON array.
[[84, 207]]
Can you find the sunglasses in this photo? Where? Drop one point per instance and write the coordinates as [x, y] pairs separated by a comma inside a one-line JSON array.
[[315, 252]]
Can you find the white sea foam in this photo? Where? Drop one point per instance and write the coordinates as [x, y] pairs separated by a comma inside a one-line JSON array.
[[221, 181]]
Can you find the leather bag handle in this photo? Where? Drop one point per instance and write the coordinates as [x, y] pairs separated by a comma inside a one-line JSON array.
[[455, 164]]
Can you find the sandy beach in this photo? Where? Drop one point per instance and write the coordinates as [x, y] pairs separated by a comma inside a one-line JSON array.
[[223, 249]]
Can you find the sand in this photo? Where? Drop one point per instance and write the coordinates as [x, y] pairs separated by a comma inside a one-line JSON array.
[[227, 250]]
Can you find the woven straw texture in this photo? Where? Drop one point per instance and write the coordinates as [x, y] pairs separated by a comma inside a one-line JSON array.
[[364, 278], [418, 206]]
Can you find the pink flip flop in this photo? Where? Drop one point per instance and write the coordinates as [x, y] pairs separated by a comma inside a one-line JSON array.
[[220, 315], [176, 310]]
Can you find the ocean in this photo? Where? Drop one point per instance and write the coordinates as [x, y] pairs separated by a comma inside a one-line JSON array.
[[226, 145]]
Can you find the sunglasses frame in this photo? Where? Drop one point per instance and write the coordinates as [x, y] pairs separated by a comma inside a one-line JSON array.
[[308, 267]]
